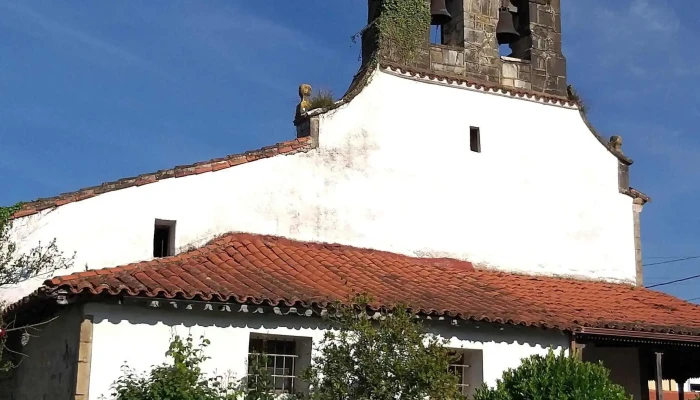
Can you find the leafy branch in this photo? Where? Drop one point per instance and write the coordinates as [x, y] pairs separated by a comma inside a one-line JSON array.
[[39, 261]]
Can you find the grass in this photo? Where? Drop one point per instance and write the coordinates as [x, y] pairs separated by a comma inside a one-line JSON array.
[[322, 99]]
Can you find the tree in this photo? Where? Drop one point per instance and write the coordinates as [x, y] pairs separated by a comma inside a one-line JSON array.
[[388, 357], [41, 260], [554, 376]]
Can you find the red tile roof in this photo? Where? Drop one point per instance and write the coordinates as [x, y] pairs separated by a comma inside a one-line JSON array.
[[288, 147], [251, 268]]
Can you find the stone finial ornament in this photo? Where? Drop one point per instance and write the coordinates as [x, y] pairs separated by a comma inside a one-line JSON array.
[[304, 94], [616, 143]]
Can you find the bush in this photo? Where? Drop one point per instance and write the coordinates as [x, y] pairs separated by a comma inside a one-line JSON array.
[[183, 379], [558, 377]]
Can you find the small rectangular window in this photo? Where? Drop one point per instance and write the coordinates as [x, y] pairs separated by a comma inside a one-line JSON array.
[[467, 365], [164, 238], [475, 139], [280, 356]]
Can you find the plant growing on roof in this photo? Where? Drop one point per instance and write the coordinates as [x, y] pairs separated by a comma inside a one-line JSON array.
[[15, 268], [323, 98], [553, 376]]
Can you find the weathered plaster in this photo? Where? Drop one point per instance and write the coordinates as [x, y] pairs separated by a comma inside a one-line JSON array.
[[393, 171], [140, 337], [48, 371]]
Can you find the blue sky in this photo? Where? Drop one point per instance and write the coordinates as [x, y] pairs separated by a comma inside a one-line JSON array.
[[96, 91]]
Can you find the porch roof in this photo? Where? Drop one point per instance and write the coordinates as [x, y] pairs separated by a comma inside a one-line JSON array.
[[264, 269]]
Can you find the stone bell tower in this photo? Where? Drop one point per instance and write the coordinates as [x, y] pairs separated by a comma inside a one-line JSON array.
[[512, 43]]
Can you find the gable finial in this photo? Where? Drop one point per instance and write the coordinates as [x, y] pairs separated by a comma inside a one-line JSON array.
[[304, 94]]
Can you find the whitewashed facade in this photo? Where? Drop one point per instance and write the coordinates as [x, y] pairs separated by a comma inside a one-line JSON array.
[[494, 349], [391, 172]]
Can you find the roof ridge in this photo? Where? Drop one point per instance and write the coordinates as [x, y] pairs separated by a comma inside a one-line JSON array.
[[287, 147]]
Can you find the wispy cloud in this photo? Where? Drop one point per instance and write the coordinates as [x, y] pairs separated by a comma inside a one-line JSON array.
[[254, 45], [644, 37], [31, 22], [644, 70]]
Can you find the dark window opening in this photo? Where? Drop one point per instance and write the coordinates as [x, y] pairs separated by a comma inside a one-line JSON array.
[[695, 387], [164, 239], [475, 139]]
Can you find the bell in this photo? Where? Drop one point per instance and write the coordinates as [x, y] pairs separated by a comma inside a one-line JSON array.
[[505, 30], [438, 13]]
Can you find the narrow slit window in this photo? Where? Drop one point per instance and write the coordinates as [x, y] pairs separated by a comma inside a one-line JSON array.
[[475, 139], [164, 239]]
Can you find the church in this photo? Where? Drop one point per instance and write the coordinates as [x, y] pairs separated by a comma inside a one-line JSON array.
[[458, 174]]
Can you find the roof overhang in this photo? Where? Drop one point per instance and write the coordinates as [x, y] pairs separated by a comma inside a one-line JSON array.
[[637, 337]]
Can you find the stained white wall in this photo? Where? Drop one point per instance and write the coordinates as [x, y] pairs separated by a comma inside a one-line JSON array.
[[393, 172], [140, 337]]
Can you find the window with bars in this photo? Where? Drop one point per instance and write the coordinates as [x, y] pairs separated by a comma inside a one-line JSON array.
[[467, 365], [279, 357], [459, 367]]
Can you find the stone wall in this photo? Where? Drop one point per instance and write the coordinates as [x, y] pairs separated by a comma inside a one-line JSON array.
[[548, 62]]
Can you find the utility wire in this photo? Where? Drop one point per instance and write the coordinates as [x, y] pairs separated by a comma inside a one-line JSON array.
[[694, 298], [674, 281], [671, 261]]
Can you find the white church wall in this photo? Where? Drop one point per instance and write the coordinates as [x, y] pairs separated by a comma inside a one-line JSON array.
[[394, 172]]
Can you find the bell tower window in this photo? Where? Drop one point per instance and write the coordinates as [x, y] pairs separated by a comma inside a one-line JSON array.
[[446, 22], [513, 30]]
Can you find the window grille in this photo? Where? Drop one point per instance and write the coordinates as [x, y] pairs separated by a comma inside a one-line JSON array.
[[459, 368], [279, 358]]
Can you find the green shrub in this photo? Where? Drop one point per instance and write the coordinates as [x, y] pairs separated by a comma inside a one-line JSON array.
[[554, 376]]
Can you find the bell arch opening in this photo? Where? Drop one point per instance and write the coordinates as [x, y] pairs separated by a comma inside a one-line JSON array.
[[513, 31], [447, 22]]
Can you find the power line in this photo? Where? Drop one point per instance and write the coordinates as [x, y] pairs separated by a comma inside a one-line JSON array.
[[674, 281], [694, 298], [671, 261], [665, 256]]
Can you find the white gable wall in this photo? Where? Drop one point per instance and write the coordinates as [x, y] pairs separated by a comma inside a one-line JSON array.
[[140, 338], [393, 172]]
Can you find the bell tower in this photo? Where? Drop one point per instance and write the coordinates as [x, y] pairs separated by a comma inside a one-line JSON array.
[[512, 43]]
